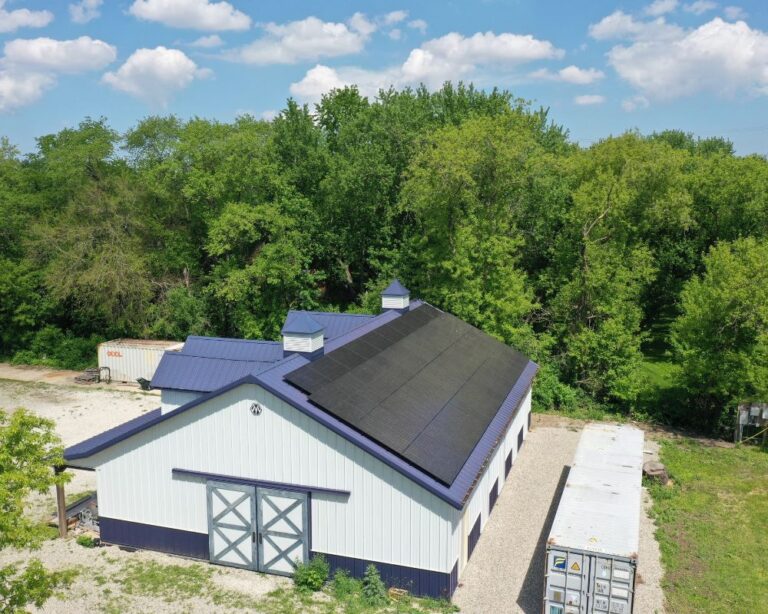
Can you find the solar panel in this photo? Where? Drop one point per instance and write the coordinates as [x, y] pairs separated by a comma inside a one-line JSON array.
[[425, 385]]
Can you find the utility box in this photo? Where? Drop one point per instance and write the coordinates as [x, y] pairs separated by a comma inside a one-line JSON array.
[[130, 359], [592, 549]]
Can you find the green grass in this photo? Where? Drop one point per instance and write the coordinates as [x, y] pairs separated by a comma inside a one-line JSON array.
[[181, 584], [713, 528]]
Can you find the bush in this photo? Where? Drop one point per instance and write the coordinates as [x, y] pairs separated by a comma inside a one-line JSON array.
[[374, 591], [52, 347], [86, 541], [311, 576], [344, 586]]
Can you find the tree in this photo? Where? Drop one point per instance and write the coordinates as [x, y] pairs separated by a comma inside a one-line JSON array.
[[721, 336], [28, 449]]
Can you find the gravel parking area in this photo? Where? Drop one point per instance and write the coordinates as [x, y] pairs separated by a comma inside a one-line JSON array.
[[506, 571]]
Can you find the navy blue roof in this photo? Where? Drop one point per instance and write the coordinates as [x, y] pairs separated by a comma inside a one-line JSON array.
[[233, 349], [301, 323], [334, 324], [272, 379], [395, 289], [178, 371]]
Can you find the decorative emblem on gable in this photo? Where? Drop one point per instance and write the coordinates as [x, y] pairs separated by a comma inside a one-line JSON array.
[[256, 409]]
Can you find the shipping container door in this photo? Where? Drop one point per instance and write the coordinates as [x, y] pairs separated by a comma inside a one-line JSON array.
[[566, 582], [611, 586]]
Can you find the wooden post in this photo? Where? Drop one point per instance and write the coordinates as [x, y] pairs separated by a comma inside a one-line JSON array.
[[61, 505]]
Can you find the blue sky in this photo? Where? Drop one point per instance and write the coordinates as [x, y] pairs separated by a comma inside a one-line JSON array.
[[602, 67]]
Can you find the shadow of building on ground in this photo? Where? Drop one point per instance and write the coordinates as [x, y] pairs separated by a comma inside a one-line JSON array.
[[532, 591]]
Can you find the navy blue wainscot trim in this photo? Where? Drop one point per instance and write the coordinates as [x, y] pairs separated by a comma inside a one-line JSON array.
[[420, 582], [262, 483], [151, 537]]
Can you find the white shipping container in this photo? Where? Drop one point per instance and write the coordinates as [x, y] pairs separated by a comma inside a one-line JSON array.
[[595, 537], [130, 359]]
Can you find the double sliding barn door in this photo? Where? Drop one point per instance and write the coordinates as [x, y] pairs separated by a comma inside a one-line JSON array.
[[263, 529]]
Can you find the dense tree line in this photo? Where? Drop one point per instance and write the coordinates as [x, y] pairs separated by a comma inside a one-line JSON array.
[[610, 265]]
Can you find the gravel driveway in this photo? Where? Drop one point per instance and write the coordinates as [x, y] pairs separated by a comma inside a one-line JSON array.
[[506, 571]]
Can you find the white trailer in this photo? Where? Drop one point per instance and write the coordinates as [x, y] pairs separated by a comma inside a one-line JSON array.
[[130, 359], [593, 545]]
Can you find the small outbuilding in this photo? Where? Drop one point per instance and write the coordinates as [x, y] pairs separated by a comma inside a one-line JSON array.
[[380, 439]]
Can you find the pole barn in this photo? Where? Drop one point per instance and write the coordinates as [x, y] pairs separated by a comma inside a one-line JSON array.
[[369, 439]]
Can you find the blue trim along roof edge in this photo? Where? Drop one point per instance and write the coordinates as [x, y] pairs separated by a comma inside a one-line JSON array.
[[271, 380]]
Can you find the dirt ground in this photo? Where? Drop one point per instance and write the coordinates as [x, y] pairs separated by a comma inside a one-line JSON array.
[[504, 575]]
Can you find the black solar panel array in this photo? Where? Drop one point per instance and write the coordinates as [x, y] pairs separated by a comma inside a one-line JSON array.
[[425, 385]]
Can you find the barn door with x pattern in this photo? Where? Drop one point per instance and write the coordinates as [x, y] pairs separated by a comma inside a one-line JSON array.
[[283, 530], [231, 530]]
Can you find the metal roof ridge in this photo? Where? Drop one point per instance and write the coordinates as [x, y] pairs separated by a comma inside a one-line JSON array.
[[315, 312], [228, 359], [234, 339]]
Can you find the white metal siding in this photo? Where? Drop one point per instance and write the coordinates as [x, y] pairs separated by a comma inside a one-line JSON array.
[[171, 399], [302, 343], [395, 302], [478, 502], [128, 362], [386, 518]]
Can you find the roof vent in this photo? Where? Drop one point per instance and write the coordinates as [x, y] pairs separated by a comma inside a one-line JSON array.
[[302, 334], [395, 296]]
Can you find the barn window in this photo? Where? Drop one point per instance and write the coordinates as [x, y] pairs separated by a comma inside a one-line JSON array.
[[493, 495], [473, 536], [520, 439], [508, 464]]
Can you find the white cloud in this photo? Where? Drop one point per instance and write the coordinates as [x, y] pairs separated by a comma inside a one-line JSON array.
[[154, 75], [718, 56], [635, 103], [394, 17], [10, 21], [192, 14], [700, 6], [67, 56], [269, 115], [308, 39], [734, 12], [589, 99], [208, 42], [395, 34], [418, 24], [360, 23], [19, 89], [85, 10], [29, 67], [450, 57], [619, 25], [660, 7], [570, 74]]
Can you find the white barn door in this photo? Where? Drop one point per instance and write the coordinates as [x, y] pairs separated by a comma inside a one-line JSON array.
[[283, 530], [231, 526]]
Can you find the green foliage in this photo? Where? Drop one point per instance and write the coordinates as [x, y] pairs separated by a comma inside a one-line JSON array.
[[31, 586], [29, 447], [313, 575], [86, 541], [52, 347], [721, 336], [374, 591], [476, 200], [711, 527]]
